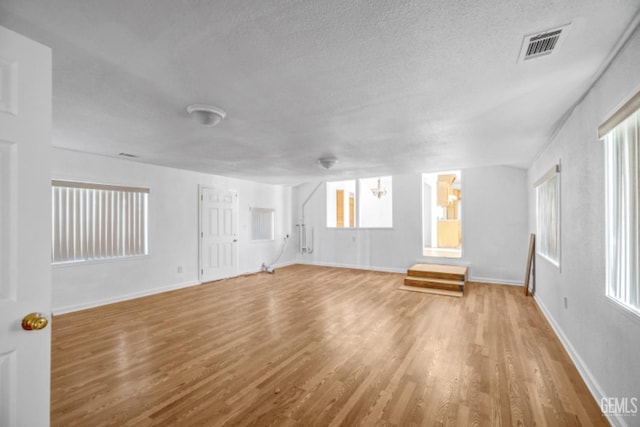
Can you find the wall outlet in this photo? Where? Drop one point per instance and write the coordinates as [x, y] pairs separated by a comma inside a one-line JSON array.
[[179, 269]]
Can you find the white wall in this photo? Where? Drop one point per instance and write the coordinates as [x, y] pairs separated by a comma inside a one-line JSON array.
[[494, 236], [602, 339], [173, 230], [426, 214]]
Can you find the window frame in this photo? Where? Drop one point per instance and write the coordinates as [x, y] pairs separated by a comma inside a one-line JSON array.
[[543, 242], [86, 239], [621, 207], [262, 212], [357, 212]]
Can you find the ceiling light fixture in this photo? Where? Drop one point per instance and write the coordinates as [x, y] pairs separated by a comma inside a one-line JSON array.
[[206, 115], [379, 191], [327, 162]]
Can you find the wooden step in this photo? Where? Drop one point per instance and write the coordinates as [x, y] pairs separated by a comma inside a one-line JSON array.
[[427, 282], [438, 271], [436, 279]]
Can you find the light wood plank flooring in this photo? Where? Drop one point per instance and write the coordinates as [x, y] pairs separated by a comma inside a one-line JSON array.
[[315, 346]]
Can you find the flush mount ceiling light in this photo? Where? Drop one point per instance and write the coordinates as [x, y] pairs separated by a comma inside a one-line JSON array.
[[327, 162], [206, 115], [379, 191]]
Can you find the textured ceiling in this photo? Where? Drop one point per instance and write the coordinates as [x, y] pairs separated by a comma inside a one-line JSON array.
[[386, 87]]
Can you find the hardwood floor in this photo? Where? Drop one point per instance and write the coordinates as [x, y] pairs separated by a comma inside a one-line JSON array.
[[315, 346]]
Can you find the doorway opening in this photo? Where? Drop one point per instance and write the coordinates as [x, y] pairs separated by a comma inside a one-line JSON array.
[[442, 214]]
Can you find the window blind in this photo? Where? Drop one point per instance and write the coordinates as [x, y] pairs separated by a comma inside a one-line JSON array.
[[96, 221], [622, 188], [548, 215], [262, 223]]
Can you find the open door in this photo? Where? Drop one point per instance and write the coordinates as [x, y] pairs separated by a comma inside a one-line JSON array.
[[218, 234], [25, 230]]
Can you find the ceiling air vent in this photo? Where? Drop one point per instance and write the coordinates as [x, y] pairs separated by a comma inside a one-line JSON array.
[[544, 43]]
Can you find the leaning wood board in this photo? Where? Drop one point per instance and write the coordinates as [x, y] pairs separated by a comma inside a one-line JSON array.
[[532, 250]]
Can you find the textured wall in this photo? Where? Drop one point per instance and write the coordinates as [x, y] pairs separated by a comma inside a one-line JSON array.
[[601, 337], [494, 236], [173, 230]]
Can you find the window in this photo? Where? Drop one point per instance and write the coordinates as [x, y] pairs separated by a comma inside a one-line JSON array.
[[372, 196], [262, 223], [94, 221], [548, 215], [341, 204], [375, 202], [622, 186]]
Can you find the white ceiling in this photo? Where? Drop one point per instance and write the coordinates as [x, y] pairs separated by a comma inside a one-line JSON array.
[[385, 86]]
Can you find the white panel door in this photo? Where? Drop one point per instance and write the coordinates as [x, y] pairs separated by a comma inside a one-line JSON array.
[[25, 229], [218, 234]]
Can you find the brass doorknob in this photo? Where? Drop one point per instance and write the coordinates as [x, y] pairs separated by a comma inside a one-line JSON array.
[[34, 322]]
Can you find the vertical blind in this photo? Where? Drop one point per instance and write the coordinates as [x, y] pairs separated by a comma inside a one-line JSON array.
[[262, 223], [622, 185], [94, 221], [548, 215]]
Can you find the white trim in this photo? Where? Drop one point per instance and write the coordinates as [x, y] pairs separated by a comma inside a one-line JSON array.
[[487, 280], [444, 261], [593, 386], [97, 186], [623, 308], [490, 280], [93, 261], [627, 110], [354, 266], [273, 267], [555, 170], [548, 259], [284, 264], [83, 306]]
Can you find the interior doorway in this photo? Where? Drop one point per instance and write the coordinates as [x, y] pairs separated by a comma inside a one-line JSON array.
[[442, 214]]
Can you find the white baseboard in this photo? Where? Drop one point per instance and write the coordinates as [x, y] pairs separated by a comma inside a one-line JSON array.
[[404, 270], [353, 266], [492, 280], [284, 264], [274, 266], [83, 306], [585, 373], [120, 298], [443, 261]]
